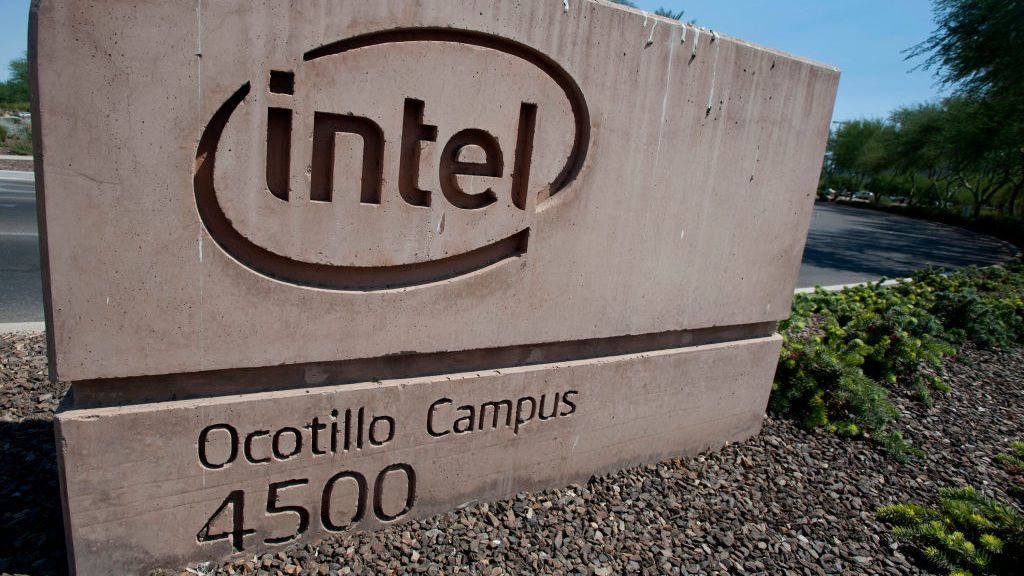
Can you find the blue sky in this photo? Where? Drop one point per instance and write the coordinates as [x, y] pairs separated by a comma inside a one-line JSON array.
[[863, 38]]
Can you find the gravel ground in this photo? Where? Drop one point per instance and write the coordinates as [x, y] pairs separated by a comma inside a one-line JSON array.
[[21, 165], [786, 502]]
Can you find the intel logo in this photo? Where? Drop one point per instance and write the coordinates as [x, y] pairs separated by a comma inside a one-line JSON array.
[[389, 160]]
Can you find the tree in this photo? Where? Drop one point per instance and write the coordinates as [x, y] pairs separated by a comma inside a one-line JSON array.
[[978, 49], [860, 148], [675, 15], [678, 15], [975, 147], [918, 146], [978, 46], [15, 89]]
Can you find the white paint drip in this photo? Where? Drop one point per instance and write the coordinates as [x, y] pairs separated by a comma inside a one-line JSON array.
[[200, 246], [664, 103], [565, 6], [650, 39], [682, 37], [714, 73], [682, 233], [696, 42], [440, 225]]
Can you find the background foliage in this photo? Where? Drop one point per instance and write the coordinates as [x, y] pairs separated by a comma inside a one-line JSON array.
[[14, 92], [965, 154]]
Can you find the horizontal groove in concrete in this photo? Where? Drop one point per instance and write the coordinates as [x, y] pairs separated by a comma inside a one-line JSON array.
[[145, 389]]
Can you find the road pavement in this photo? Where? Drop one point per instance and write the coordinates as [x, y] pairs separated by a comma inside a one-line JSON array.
[[845, 245], [20, 285]]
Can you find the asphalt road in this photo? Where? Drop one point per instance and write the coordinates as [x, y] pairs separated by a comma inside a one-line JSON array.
[[21, 289], [845, 245]]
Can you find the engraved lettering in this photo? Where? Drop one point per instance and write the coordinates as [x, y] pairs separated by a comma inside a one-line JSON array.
[[496, 408], [296, 443], [346, 263], [430, 417], [467, 422], [520, 418], [414, 131], [451, 167], [325, 126], [326, 500], [524, 154], [378, 492], [204, 439], [249, 438], [279, 151], [315, 427], [554, 407], [569, 403]]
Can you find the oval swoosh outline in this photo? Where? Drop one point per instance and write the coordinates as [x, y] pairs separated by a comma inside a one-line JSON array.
[[573, 93], [377, 278]]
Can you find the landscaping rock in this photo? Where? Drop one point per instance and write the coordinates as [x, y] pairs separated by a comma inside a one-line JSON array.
[[786, 502]]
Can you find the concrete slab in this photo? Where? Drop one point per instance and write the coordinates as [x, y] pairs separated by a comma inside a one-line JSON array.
[[670, 182], [261, 220], [242, 474]]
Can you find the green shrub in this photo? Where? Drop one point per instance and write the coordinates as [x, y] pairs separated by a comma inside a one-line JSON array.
[[20, 145], [843, 352], [967, 534], [1014, 464]]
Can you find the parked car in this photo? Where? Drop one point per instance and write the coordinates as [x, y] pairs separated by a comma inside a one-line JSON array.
[[863, 196]]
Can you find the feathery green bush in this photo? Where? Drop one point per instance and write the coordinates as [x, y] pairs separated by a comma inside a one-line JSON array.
[[966, 535], [843, 352]]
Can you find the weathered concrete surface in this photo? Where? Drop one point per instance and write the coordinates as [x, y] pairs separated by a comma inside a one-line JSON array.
[[144, 500], [679, 199], [256, 213]]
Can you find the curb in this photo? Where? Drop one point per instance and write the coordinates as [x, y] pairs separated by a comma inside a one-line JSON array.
[[20, 327], [840, 287], [890, 282], [17, 158]]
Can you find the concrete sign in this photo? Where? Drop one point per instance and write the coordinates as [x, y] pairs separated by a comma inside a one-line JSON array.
[[324, 266]]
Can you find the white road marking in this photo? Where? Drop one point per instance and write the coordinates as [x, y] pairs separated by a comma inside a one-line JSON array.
[[17, 175]]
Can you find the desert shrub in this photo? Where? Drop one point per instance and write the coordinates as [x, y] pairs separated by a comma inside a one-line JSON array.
[[967, 534], [1014, 464], [843, 352], [20, 144]]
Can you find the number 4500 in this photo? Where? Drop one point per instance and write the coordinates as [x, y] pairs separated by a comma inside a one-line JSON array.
[[236, 501]]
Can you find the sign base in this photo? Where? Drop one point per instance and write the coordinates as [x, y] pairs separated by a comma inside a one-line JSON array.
[[169, 483]]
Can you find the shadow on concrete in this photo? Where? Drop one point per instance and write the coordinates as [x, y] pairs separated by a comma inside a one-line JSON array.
[[31, 528]]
